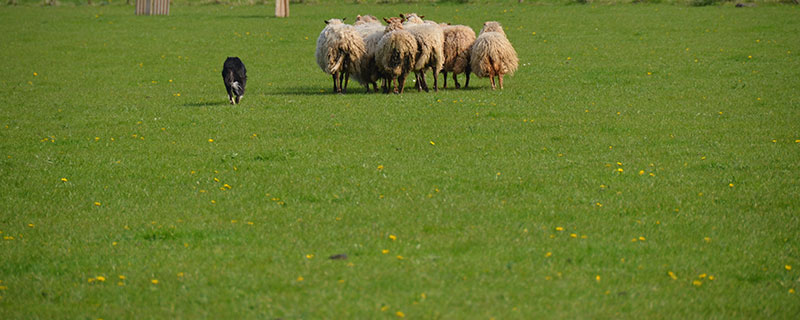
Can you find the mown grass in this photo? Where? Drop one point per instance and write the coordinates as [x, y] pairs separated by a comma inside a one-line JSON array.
[[678, 125]]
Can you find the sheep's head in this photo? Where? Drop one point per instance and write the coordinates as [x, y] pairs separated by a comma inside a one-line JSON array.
[[492, 26], [335, 21], [365, 19], [394, 23], [412, 18]]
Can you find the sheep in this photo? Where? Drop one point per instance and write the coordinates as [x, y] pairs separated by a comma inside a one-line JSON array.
[[340, 49], [430, 40], [492, 54], [371, 31], [457, 41], [396, 54]]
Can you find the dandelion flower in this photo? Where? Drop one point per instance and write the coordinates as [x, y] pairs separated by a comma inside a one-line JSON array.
[[672, 275], [559, 229], [210, 140], [548, 254], [154, 281], [380, 167], [400, 258], [400, 314], [791, 291], [730, 185], [432, 143], [310, 256], [101, 278], [787, 267], [393, 237], [697, 283], [64, 180], [597, 278], [96, 203], [385, 251], [300, 279]]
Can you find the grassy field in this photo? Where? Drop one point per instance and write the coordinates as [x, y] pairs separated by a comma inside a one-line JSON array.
[[644, 162]]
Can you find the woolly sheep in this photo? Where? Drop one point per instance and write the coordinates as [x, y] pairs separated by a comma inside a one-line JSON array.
[[430, 55], [457, 41], [371, 31], [492, 54], [340, 49], [396, 54]]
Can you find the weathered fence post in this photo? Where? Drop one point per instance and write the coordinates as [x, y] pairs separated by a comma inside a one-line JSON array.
[[152, 7], [281, 8]]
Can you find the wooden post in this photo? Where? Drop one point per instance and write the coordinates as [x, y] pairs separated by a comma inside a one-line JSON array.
[[281, 8], [152, 7]]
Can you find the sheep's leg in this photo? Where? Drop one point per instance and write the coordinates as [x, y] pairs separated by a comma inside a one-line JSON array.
[[346, 80], [435, 80], [491, 78], [455, 79], [401, 83], [335, 81], [418, 81], [385, 85], [501, 80], [422, 82], [444, 85], [467, 71]]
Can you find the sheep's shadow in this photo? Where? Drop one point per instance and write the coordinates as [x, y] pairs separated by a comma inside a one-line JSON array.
[[206, 104], [312, 91]]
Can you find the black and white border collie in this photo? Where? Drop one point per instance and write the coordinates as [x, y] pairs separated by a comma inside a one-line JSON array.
[[235, 76]]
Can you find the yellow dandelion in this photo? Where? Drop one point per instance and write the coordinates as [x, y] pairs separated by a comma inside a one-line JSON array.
[[300, 279], [64, 180], [791, 291], [432, 143], [400, 314], [711, 278], [559, 229], [180, 274], [707, 239], [641, 172], [642, 239], [101, 278], [787, 267], [96, 203], [548, 254], [730, 185], [380, 167], [697, 283], [702, 275], [672, 275], [210, 140], [310, 256], [393, 237], [35, 74], [121, 277], [385, 251], [400, 258], [597, 278], [154, 281], [620, 170], [384, 308], [572, 235]]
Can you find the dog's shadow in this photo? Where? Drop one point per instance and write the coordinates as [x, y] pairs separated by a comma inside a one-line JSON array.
[[206, 104]]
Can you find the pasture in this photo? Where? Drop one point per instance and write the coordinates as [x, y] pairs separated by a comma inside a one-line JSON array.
[[644, 162]]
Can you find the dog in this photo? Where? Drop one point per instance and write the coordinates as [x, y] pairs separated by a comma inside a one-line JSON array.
[[235, 76]]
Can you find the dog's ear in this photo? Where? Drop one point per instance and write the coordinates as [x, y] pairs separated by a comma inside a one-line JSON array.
[[387, 20], [326, 21], [402, 16], [421, 17], [343, 19]]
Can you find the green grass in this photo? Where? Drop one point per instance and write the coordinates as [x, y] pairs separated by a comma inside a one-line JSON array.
[[474, 183]]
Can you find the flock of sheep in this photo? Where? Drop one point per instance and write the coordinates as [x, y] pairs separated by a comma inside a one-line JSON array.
[[369, 51]]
